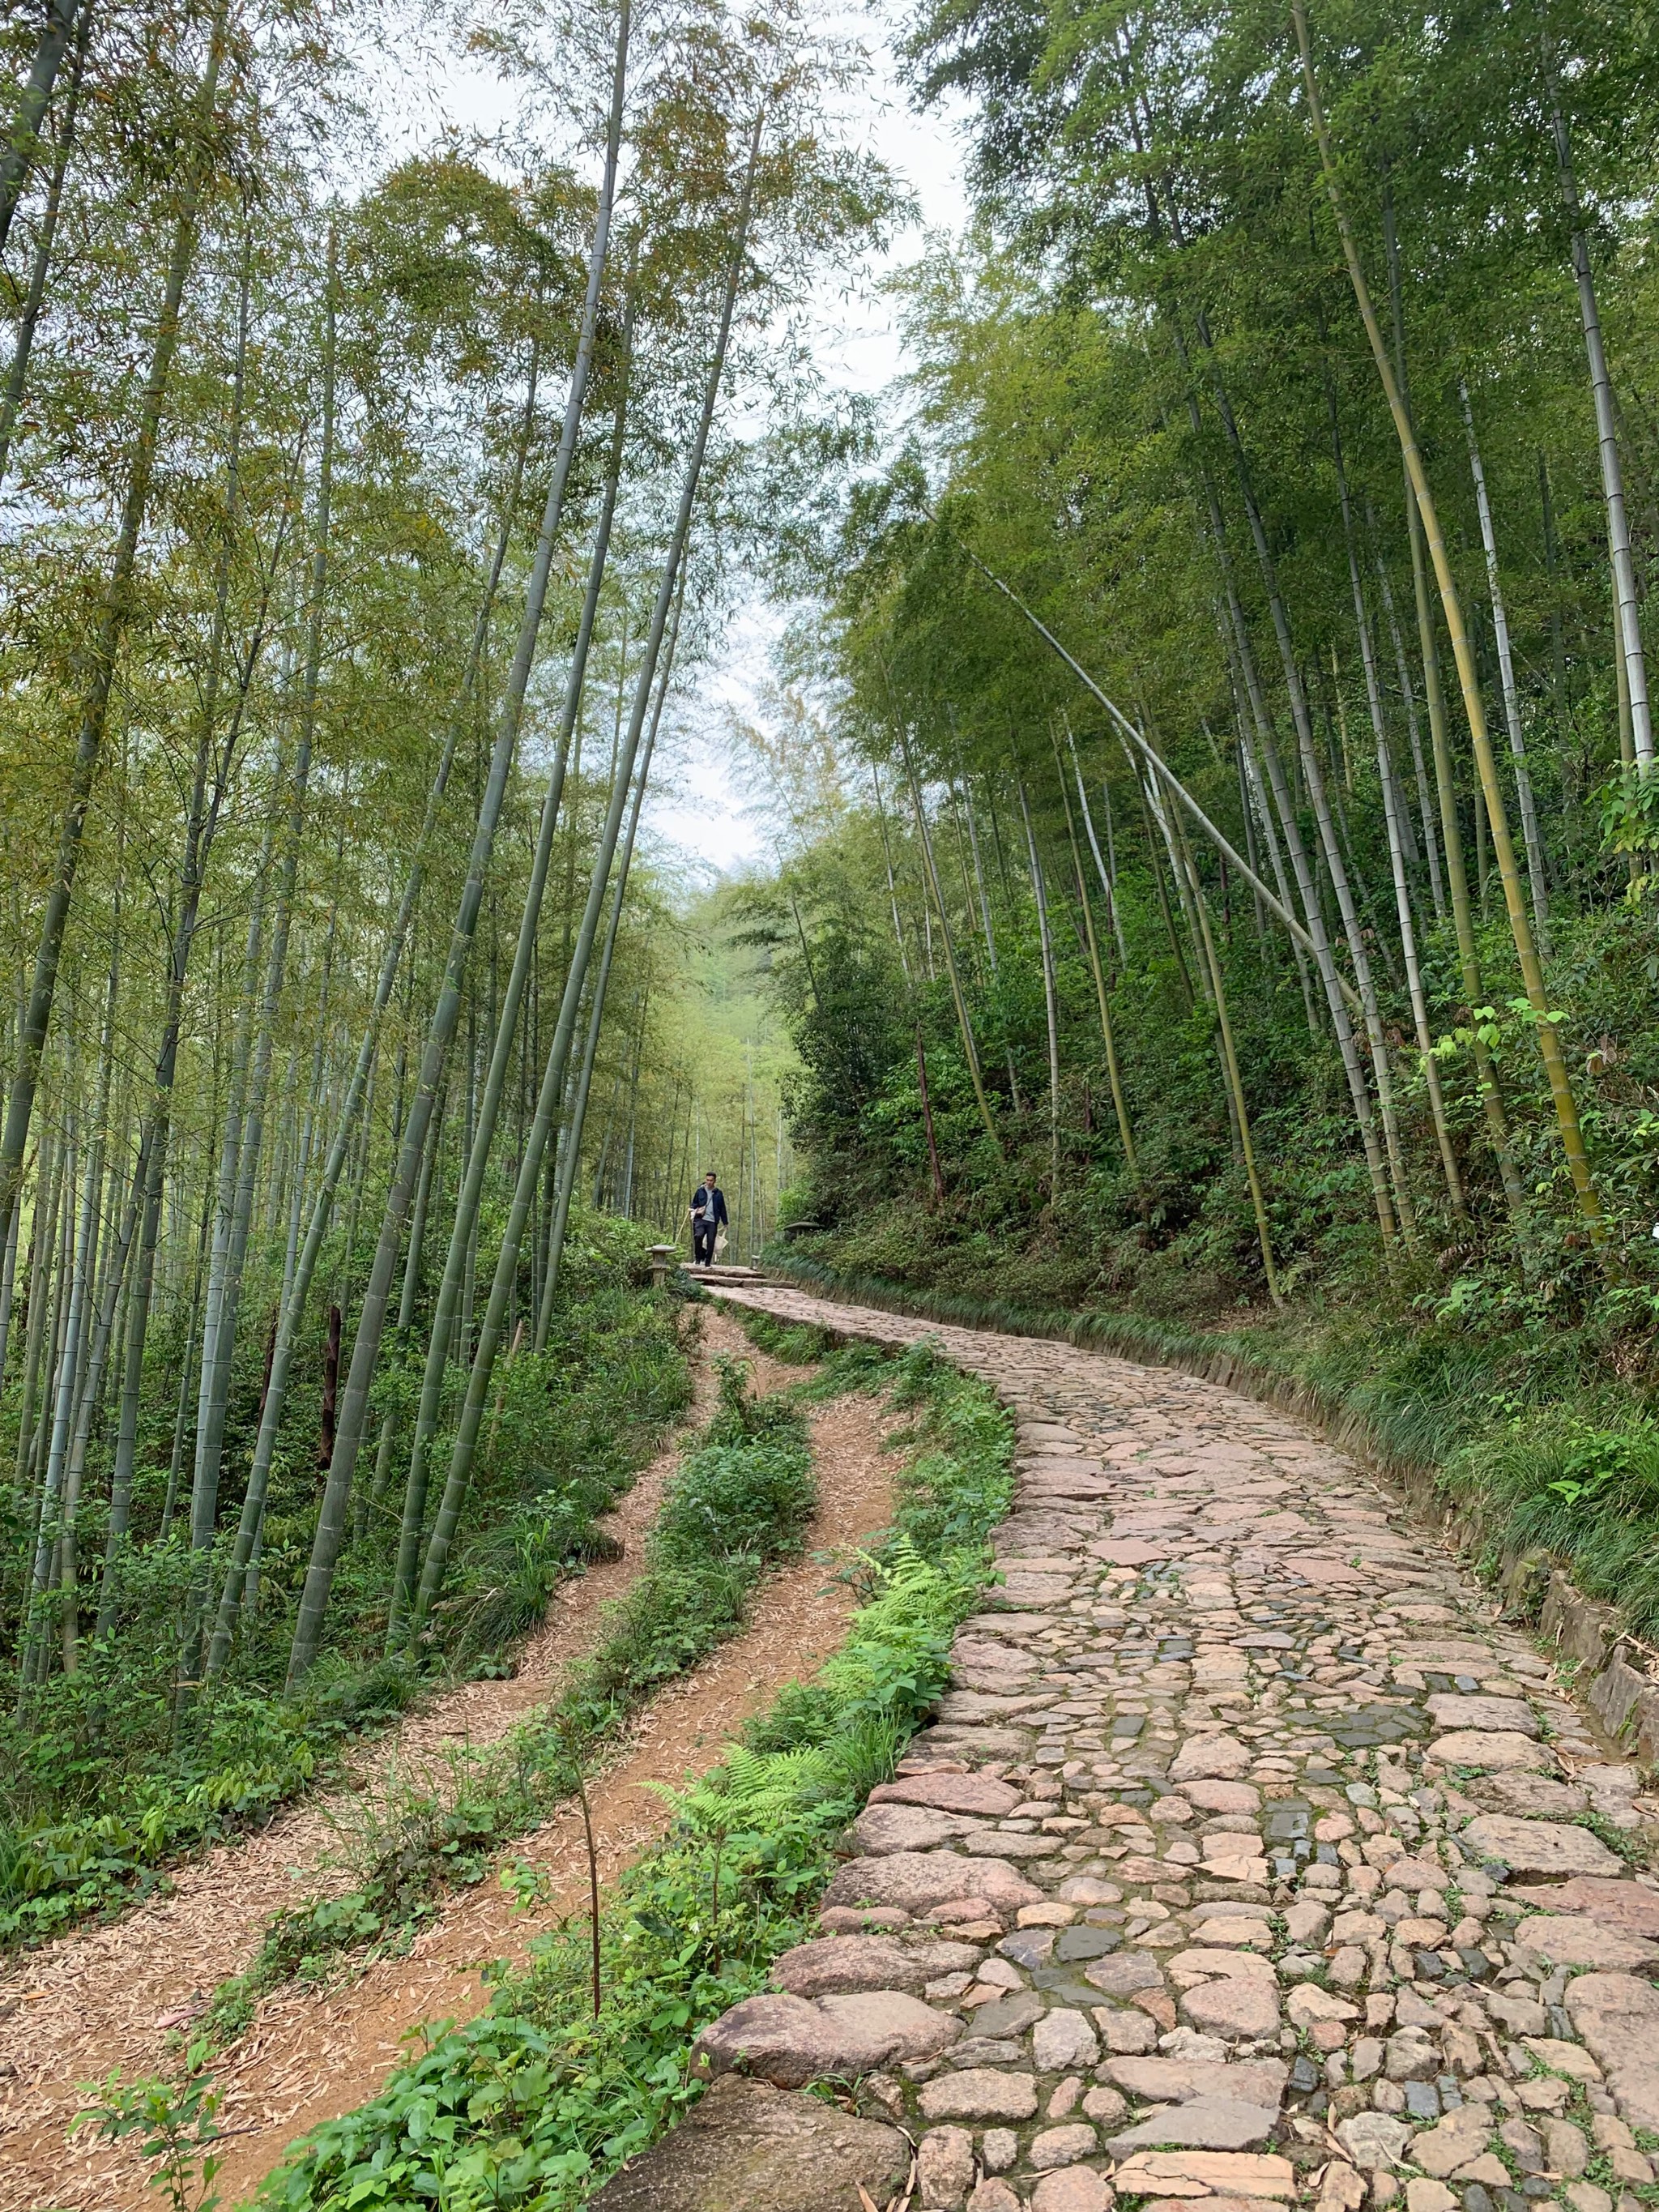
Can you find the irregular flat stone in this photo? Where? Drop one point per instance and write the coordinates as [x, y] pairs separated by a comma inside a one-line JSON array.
[[1240, 1996], [1563, 2058], [1618, 2016], [1532, 1796], [991, 1842], [979, 2093], [1123, 1975], [979, 1794], [1210, 1758], [1008, 2016], [790, 2041], [1504, 1715], [1493, 1752], [1459, 2136], [914, 1881], [881, 1830], [1627, 1904], [1537, 1846], [1215, 1796], [944, 2167], [1062, 2146], [1375, 2139], [1177, 2080], [1063, 2041], [838, 1963], [969, 1705], [1190, 2172], [1074, 2189], [746, 2147], [1308, 2002], [1565, 1940], [1446, 1655], [1203, 2123]]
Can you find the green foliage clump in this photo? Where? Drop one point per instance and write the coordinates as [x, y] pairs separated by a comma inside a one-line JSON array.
[[535, 2102], [105, 1777]]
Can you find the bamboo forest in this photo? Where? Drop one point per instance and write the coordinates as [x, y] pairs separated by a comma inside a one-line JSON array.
[[1133, 821]]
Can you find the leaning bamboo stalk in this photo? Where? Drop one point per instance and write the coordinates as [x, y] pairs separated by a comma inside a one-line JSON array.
[[1163, 772], [1549, 1044]]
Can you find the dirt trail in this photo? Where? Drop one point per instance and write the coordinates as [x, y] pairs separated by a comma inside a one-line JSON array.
[[106, 1997]]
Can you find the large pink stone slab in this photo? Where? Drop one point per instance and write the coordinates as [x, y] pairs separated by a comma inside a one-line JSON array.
[[978, 1794], [914, 1880], [1537, 1846], [1627, 1904], [790, 2041], [1618, 2016]]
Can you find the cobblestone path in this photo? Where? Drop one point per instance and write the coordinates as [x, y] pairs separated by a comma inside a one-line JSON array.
[[1250, 1858]]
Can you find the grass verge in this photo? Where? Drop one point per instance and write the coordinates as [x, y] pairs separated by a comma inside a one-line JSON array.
[[535, 2102]]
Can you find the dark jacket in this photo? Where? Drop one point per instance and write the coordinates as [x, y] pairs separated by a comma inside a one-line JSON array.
[[716, 1197]]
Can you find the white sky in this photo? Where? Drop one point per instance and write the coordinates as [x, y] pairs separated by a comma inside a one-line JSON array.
[[858, 348], [856, 342]]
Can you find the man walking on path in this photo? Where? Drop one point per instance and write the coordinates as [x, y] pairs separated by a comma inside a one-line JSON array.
[[708, 1218]]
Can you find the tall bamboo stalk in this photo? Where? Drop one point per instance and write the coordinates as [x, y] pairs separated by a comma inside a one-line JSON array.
[[40, 261], [1114, 1074], [460, 1259], [1631, 657], [1229, 1060], [1050, 1008], [1549, 1044], [116, 606], [456, 1482], [959, 999], [332, 1514], [1529, 830], [571, 1156]]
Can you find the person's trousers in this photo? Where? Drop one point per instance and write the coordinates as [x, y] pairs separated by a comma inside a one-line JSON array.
[[702, 1243]]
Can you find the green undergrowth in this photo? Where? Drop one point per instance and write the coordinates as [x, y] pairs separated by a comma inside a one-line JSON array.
[[528, 2107], [106, 1777], [1540, 1437], [738, 1503]]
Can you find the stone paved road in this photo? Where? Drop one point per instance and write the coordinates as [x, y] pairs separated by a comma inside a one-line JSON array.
[[1250, 1858]]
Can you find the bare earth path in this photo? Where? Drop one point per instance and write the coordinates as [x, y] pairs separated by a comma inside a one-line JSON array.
[[104, 1998], [1277, 1866]]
